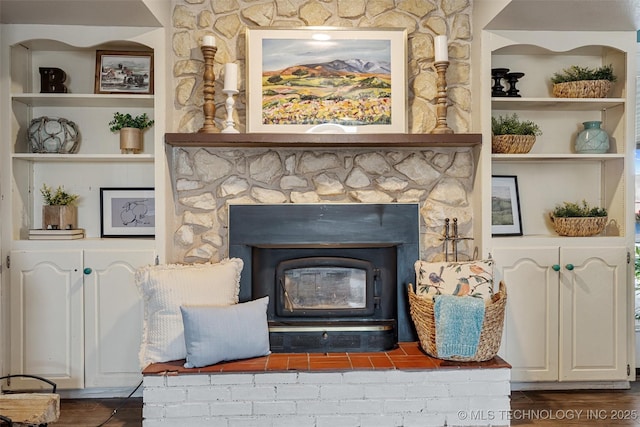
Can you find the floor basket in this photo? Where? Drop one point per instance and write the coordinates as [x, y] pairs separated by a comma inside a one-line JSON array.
[[421, 309], [512, 144], [579, 226], [582, 89]]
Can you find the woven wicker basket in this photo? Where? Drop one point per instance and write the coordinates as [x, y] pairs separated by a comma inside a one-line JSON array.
[[582, 89], [512, 144], [421, 309], [579, 226]]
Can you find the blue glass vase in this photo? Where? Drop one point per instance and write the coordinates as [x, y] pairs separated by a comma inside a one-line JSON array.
[[592, 139]]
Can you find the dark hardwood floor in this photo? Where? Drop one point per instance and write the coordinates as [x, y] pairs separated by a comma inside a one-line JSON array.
[[538, 408], [576, 408], [94, 412]]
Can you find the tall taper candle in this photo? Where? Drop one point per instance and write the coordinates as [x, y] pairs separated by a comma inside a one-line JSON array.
[[230, 76], [441, 48]]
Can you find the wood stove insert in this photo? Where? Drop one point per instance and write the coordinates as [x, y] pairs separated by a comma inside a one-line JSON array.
[[336, 274]]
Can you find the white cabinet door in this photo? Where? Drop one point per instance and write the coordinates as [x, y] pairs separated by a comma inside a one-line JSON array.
[[113, 317], [47, 316], [530, 337], [593, 314], [566, 313]]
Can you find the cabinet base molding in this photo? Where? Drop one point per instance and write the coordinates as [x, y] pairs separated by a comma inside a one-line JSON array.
[[572, 385]]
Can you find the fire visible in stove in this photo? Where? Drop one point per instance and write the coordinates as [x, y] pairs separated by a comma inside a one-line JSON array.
[[325, 286]]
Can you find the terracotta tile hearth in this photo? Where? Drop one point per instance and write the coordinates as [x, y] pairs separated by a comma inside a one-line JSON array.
[[408, 356]]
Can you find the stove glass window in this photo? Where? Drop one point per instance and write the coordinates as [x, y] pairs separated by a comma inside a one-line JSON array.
[[324, 288]]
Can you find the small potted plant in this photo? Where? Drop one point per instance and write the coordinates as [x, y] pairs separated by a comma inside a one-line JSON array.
[[130, 129], [59, 211], [578, 219], [512, 135], [583, 82]]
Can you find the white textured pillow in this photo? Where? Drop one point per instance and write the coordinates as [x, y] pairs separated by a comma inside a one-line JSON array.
[[216, 334], [166, 287], [474, 278]]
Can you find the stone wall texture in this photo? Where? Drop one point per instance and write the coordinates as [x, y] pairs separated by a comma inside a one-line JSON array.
[[205, 181], [227, 21]]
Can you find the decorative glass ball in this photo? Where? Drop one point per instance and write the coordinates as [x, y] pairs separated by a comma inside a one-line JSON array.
[[53, 135]]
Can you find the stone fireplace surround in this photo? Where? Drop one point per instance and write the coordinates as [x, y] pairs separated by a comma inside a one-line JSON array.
[[211, 171]]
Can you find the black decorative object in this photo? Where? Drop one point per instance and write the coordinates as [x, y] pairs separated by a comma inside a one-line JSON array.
[[512, 79], [52, 80], [498, 74]]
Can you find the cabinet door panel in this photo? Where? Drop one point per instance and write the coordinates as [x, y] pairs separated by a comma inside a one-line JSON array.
[[530, 337], [46, 317], [114, 314], [592, 314]]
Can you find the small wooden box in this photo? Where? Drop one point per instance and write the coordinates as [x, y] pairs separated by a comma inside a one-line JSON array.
[[59, 217]]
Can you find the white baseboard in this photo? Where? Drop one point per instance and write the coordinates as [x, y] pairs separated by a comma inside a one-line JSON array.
[[99, 393]]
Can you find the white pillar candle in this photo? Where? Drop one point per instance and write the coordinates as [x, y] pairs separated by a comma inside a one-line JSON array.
[[441, 48], [208, 40], [230, 76]]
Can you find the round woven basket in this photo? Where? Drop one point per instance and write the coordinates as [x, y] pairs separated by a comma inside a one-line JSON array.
[[512, 144], [582, 89], [579, 226], [422, 313]]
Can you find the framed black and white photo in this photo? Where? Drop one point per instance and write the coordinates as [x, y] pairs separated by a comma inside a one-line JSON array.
[[127, 212], [124, 72], [505, 206]]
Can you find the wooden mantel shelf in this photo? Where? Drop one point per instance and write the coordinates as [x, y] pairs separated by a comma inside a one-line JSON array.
[[321, 140]]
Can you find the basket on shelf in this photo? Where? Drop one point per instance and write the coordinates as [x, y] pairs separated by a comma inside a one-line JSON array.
[[582, 89], [512, 144], [422, 314], [579, 226]]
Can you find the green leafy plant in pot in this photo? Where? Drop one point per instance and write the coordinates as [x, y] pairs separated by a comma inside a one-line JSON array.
[[512, 135], [578, 219], [583, 82], [130, 129], [59, 211]]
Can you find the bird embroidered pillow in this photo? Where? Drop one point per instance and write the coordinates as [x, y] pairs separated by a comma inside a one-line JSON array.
[[474, 278]]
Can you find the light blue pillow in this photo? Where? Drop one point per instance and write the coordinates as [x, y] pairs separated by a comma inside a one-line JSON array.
[[214, 334]]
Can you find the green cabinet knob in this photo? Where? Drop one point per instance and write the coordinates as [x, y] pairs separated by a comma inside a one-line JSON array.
[[569, 267], [555, 267], [87, 270]]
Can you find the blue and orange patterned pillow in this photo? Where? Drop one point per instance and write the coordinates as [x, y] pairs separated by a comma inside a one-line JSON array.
[[460, 278]]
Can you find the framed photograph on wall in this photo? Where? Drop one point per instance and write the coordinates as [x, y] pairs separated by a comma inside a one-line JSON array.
[[127, 212], [326, 80], [124, 72], [505, 206]]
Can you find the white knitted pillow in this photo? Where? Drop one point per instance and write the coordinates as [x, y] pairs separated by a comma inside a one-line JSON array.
[[166, 287]]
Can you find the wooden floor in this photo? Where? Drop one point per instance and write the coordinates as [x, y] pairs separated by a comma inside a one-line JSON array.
[[538, 408]]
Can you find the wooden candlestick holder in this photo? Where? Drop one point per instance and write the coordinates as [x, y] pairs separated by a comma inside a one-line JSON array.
[[441, 106], [209, 107]]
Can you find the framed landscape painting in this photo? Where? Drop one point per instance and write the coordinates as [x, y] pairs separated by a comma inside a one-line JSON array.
[[326, 80], [505, 206]]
